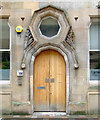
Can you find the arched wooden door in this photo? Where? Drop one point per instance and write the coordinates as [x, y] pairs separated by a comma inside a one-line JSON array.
[[49, 82]]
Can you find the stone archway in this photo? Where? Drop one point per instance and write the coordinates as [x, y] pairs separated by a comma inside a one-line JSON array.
[[63, 42], [32, 75]]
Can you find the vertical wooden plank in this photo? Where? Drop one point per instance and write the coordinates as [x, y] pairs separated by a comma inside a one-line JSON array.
[[58, 88], [41, 72]]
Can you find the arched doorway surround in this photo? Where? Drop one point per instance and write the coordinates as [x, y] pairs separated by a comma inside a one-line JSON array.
[[62, 40], [32, 74]]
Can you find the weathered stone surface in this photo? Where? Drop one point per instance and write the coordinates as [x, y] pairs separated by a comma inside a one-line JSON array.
[[20, 98]]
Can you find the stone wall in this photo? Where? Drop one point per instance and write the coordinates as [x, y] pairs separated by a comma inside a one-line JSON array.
[[17, 98]]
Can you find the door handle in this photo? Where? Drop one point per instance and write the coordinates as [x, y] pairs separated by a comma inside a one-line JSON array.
[[47, 80], [52, 80]]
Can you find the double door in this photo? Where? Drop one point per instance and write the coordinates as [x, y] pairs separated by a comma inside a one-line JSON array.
[[49, 82]]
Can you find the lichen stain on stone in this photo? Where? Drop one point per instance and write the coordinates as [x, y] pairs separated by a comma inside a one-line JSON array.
[[78, 103], [15, 103]]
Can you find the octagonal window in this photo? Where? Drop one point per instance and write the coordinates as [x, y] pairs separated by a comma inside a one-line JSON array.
[[49, 27]]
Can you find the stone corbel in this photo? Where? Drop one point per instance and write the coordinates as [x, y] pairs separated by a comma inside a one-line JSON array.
[[76, 65], [23, 60]]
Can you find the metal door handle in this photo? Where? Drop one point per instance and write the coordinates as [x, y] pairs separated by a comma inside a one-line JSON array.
[[52, 80], [47, 80]]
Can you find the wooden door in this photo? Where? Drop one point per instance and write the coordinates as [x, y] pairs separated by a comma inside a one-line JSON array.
[[49, 82], [41, 88]]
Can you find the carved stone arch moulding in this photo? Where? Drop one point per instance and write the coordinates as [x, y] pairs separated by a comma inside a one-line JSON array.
[[34, 38]]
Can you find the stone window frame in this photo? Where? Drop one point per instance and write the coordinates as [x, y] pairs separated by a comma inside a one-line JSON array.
[[7, 50], [93, 18]]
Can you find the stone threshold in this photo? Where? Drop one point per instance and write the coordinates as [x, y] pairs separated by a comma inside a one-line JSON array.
[[49, 113], [47, 117]]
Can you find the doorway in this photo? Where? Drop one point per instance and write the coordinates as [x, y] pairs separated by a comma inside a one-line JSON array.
[[49, 82]]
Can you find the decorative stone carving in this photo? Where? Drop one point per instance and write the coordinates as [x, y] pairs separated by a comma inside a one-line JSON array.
[[69, 42], [64, 39], [29, 42], [69, 38]]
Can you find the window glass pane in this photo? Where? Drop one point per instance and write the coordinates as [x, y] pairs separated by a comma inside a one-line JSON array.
[[94, 36], [95, 65], [49, 27], [4, 34], [4, 65]]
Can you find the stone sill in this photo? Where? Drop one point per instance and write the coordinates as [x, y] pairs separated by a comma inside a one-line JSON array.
[[94, 89], [5, 87]]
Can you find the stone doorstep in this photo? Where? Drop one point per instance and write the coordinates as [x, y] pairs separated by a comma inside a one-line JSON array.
[[93, 117]]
